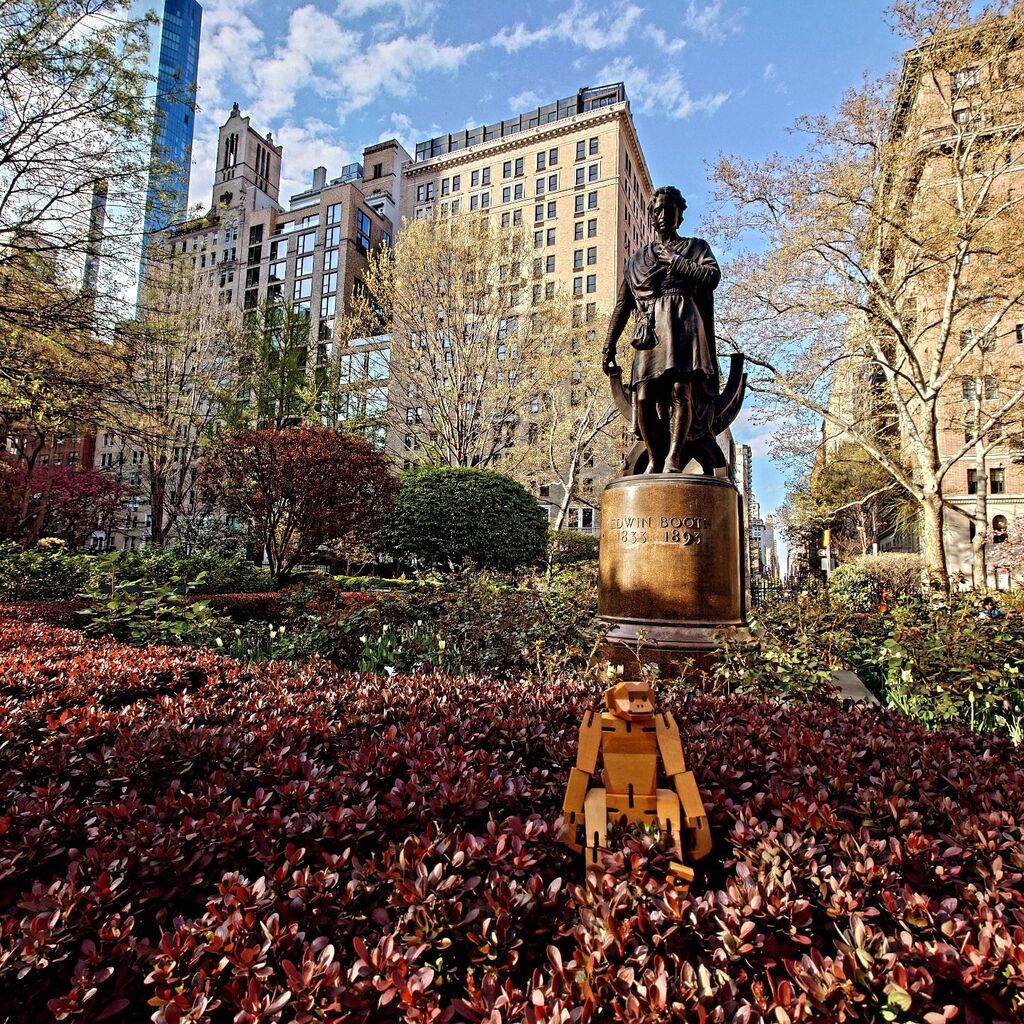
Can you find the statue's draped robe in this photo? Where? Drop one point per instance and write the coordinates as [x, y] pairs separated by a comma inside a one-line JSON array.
[[680, 298]]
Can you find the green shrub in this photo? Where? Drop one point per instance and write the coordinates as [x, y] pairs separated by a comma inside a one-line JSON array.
[[231, 573], [444, 517], [44, 575], [894, 571], [851, 586], [567, 547], [472, 621], [140, 612]]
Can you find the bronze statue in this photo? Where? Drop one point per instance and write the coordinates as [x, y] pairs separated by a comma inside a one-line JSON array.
[[673, 398], [634, 740]]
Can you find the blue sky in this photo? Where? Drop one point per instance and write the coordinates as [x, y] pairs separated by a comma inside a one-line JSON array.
[[703, 77]]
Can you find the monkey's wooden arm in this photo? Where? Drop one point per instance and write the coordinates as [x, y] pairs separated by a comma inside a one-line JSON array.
[[579, 780], [695, 816]]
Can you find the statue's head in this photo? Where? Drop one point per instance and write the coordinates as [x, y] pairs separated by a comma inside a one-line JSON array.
[[631, 701], [667, 206]]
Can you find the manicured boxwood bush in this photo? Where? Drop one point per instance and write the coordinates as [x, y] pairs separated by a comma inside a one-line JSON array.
[[41, 575], [567, 547], [443, 517], [183, 837]]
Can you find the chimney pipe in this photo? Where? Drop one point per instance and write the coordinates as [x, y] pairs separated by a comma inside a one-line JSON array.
[[319, 178]]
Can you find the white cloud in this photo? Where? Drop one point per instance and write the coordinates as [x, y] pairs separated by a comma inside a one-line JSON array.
[[769, 72], [659, 92], [391, 66], [307, 145], [315, 44], [413, 12], [593, 30], [230, 48], [526, 100], [400, 127], [712, 21], [660, 38]]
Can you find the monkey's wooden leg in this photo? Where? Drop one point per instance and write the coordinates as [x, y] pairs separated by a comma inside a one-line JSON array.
[[595, 816], [671, 825]]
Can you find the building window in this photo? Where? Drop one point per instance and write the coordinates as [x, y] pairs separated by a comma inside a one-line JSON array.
[[591, 255], [592, 149], [332, 237], [965, 78], [577, 286], [972, 481], [991, 389], [362, 231], [538, 212], [551, 236], [538, 239], [506, 169], [306, 242], [517, 215], [446, 185], [520, 166], [577, 260], [549, 290], [304, 266], [506, 195], [330, 284], [591, 283], [549, 267], [474, 179], [552, 157], [997, 481], [581, 150], [577, 231], [331, 259], [540, 161], [579, 205], [334, 213], [485, 199], [518, 191], [539, 187], [303, 288], [591, 200], [999, 530], [552, 210], [970, 392], [1019, 331], [328, 305]]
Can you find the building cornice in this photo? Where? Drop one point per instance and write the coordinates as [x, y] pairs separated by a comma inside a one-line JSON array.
[[513, 143]]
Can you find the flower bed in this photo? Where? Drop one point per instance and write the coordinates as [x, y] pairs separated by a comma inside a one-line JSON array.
[[186, 838]]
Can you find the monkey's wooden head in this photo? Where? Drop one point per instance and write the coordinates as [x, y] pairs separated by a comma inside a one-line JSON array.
[[632, 701]]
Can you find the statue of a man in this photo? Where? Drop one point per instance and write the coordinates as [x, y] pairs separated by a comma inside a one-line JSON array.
[[669, 284]]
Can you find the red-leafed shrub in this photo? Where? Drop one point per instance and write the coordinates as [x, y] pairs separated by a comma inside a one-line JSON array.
[[245, 607], [185, 838]]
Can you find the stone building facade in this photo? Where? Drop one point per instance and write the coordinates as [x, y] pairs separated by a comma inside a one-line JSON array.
[[573, 176]]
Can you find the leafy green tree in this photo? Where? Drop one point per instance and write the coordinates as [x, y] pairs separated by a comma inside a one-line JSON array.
[[446, 515]]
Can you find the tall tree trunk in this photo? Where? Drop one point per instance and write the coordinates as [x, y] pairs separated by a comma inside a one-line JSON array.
[[933, 540], [979, 563], [157, 500]]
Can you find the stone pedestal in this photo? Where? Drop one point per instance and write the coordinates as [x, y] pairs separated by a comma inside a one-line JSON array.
[[671, 564]]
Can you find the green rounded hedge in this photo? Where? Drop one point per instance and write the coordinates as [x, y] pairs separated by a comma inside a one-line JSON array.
[[445, 516]]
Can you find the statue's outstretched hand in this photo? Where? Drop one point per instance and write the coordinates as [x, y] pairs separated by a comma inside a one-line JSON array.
[[608, 363]]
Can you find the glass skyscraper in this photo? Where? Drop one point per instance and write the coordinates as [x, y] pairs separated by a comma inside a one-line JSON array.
[[167, 196]]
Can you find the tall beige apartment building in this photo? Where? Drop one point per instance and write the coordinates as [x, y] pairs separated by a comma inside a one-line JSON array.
[[573, 175]]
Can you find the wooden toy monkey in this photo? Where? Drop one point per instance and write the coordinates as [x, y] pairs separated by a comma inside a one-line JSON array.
[[629, 736]]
